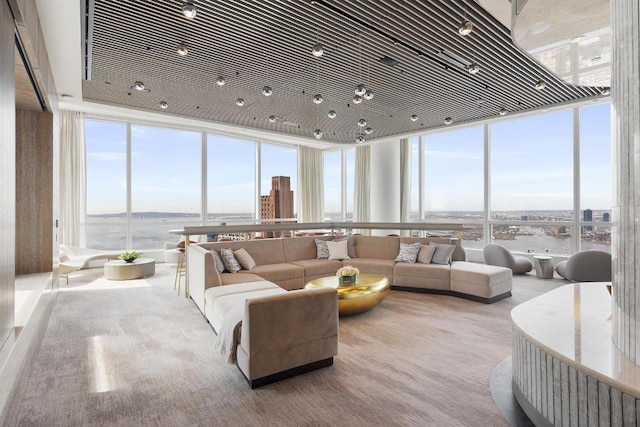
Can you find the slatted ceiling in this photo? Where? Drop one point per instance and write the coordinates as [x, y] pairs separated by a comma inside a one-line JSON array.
[[257, 43]]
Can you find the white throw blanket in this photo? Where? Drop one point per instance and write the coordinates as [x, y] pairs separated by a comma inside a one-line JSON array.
[[229, 334]]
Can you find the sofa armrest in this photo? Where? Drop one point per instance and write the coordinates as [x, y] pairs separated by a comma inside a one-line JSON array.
[[201, 273], [278, 321]]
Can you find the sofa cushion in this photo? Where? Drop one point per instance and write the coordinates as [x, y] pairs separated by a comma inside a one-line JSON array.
[[263, 251], [244, 258], [318, 267], [443, 253], [376, 247], [219, 300], [426, 254], [338, 250], [300, 248], [278, 272], [373, 265], [229, 260], [408, 252], [424, 276], [232, 279]]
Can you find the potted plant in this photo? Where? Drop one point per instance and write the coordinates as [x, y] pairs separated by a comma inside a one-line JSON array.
[[129, 256], [347, 274]]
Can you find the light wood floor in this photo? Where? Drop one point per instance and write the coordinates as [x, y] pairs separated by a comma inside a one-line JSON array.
[[134, 353]]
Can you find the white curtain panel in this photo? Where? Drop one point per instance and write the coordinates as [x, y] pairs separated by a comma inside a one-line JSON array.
[[310, 185], [405, 179], [362, 190], [72, 178]]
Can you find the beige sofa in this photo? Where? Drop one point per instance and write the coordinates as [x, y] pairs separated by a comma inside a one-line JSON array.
[[302, 324]]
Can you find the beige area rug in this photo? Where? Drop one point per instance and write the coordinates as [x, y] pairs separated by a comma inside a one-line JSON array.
[[134, 353]]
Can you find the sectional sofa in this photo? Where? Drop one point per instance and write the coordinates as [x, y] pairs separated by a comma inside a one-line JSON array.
[[295, 330]]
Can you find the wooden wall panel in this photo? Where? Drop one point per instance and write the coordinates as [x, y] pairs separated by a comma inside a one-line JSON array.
[[34, 192], [7, 174]]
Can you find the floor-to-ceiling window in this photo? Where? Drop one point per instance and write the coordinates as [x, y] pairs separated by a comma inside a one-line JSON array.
[[231, 182], [453, 180], [165, 183], [106, 163], [532, 183], [333, 185], [350, 181], [279, 172], [596, 196]]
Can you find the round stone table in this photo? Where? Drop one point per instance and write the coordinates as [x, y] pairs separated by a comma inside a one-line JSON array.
[[120, 270], [367, 292]]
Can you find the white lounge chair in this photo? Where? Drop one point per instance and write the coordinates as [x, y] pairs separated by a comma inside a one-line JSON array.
[[73, 258]]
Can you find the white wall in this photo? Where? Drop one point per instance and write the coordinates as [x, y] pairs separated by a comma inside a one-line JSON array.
[[385, 183]]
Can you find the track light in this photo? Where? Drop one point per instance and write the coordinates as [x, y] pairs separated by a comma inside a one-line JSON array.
[[189, 10]]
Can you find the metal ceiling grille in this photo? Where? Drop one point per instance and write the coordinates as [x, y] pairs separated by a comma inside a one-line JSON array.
[[256, 43]]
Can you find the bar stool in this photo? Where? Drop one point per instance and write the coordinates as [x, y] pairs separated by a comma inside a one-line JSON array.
[[181, 270]]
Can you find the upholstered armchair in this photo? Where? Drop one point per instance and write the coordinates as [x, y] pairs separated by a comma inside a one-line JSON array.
[[586, 266], [500, 256]]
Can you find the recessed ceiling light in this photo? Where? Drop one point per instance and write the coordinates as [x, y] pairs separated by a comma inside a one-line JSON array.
[[189, 10], [605, 91], [182, 49], [272, 119]]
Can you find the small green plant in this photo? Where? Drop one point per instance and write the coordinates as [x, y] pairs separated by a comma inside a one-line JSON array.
[[129, 256]]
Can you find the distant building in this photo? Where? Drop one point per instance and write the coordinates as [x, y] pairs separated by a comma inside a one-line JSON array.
[[279, 202], [524, 218], [587, 216], [605, 217]]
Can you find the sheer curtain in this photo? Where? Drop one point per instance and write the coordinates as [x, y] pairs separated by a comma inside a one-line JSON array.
[[310, 185], [361, 205], [405, 179], [72, 178]]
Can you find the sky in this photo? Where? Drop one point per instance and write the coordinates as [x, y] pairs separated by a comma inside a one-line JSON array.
[[531, 167]]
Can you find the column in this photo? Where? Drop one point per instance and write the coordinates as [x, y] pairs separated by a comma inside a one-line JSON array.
[[625, 124]]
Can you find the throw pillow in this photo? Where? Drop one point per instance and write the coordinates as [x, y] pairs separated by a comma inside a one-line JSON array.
[[408, 252], [218, 261], [425, 254], [443, 253], [338, 250], [322, 251], [245, 260], [351, 250], [230, 262]]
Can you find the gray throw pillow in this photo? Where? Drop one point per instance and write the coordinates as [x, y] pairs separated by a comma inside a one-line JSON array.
[[229, 260], [408, 252], [426, 254], [350, 245], [218, 261], [322, 250], [443, 253]]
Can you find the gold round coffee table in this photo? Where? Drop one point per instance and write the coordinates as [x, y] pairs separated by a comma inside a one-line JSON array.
[[367, 292]]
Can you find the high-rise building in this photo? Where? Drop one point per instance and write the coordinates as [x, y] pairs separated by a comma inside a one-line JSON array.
[[587, 216], [279, 202], [605, 217]]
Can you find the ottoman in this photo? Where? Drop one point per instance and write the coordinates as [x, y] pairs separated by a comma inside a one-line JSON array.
[[486, 283]]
